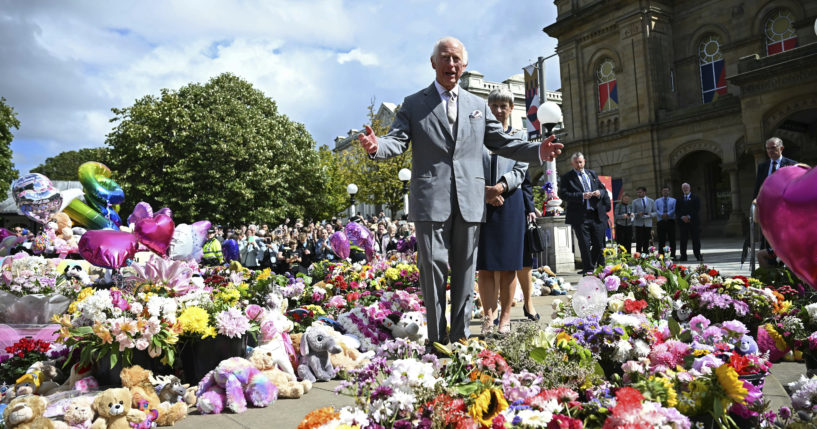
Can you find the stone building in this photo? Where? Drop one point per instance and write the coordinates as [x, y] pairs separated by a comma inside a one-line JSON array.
[[666, 92]]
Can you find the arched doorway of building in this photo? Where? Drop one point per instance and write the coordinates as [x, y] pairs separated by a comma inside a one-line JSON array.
[[704, 172]]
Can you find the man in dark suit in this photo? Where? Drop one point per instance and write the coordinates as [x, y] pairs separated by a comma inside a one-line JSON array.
[[774, 148], [689, 222], [447, 127], [586, 211]]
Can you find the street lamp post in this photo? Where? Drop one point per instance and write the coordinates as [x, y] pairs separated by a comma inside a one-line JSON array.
[[351, 189], [549, 115], [405, 175]]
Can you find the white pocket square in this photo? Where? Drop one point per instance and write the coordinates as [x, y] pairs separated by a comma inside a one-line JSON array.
[[475, 114]]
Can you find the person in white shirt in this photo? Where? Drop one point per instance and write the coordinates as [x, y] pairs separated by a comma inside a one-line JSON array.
[[644, 208], [665, 206]]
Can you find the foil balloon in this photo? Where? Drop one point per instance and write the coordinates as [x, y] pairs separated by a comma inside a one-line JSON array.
[[101, 192], [229, 248], [9, 243], [188, 241], [36, 197], [106, 248], [359, 235], [590, 298], [142, 210], [340, 244], [68, 196], [786, 205], [155, 233]]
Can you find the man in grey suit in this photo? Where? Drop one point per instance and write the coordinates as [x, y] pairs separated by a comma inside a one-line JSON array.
[[644, 208], [448, 128]]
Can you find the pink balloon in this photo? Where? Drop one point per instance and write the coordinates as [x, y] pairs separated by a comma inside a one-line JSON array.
[[165, 211], [108, 248], [141, 211], [155, 233], [786, 205], [340, 244]]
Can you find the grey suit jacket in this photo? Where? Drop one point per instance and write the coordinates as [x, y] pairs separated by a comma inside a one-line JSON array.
[[648, 210], [444, 169], [512, 171]]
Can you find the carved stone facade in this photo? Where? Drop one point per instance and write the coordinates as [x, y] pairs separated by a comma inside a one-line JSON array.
[[697, 92]]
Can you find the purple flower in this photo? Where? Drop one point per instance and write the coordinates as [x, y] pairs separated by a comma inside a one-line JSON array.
[[785, 413], [699, 323], [382, 392], [612, 283], [734, 328]]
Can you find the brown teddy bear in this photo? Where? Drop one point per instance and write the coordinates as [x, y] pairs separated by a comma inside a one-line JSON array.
[[114, 409], [288, 386], [137, 380], [26, 412]]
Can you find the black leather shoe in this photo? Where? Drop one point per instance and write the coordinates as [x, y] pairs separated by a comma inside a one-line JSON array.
[[683, 259], [532, 317]]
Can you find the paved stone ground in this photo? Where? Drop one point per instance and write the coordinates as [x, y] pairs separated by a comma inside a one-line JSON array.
[[723, 254]]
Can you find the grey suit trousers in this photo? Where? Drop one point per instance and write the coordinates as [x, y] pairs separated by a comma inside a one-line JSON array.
[[441, 245]]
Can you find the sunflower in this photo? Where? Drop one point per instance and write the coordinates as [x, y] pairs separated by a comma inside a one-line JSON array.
[[731, 384], [488, 405]]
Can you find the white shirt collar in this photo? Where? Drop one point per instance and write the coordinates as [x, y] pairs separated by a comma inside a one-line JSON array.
[[441, 90]]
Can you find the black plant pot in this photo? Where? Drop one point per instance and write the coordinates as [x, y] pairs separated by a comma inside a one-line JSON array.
[[811, 364], [109, 376], [758, 380], [202, 356]]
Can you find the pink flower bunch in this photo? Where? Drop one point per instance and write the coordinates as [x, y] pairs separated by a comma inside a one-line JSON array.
[[668, 354], [232, 323]]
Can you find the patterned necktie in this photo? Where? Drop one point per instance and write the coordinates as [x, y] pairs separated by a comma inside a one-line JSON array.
[[665, 205], [774, 166], [451, 107], [586, 186]]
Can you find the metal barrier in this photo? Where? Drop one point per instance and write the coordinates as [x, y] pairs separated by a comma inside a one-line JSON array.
[[752, 237]]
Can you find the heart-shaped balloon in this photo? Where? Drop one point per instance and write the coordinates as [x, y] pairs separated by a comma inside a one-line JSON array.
[[340, 244], [786, 207], [188, 241], [155, 233], [108, 248], [142, 210]]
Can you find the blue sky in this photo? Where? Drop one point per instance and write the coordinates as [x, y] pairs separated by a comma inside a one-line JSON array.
[[66, 64]]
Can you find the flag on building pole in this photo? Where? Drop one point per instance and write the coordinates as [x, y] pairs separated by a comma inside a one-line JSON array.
[[532, 101]]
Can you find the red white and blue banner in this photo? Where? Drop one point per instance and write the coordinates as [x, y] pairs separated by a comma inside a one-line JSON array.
[[532, 101]]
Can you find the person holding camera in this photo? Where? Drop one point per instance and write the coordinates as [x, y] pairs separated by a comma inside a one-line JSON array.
[[251, 249]]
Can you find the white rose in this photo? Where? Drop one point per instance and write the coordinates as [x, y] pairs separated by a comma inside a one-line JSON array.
[[616, 305], [812, 310], [655, 290]]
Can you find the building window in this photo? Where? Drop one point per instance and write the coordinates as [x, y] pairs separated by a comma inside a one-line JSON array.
[[713, 72], [608, 90], [780, 35]]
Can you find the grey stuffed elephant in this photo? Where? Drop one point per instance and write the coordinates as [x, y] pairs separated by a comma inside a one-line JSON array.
[[316, 345]]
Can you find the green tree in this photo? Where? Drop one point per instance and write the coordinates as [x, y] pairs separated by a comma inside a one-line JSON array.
[[65, 166], [337, 177], [8, 120], [219, 151], [376, 180]]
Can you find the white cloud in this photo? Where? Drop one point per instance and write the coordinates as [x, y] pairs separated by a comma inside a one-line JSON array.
[[358, 55]]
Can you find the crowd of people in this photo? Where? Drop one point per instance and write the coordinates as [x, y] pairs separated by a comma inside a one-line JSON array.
[[293, 246]]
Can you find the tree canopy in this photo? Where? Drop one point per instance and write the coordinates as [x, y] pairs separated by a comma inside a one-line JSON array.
[[65, 165], [219, 151], [8, 120]]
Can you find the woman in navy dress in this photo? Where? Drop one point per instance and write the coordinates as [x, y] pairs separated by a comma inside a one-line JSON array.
[[501, 237]]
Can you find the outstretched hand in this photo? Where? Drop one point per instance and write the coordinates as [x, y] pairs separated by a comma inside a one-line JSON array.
[[368, 140], [548, 150]]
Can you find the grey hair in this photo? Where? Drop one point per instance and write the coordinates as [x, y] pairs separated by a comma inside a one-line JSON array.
[[576, 155], [776, 140], [501, 95], [436, 51], [685, 183]]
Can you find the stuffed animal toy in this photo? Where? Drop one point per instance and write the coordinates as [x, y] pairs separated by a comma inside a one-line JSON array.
[[150, 416], [113, 407], [350, 357], [415, 317], [77, 374], [170, 389], [233, 383], [27, 412], [34, 382], [288, 386], [48, 375], [79, 413], [316, 346], [398, 330], [137, 380], [63, 221], [748, 346], [275, 329]]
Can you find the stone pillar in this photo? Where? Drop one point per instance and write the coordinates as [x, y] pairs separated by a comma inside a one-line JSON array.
[[559, 254], [734, 226]]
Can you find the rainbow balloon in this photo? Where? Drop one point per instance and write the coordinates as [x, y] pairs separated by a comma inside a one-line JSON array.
[[103, 196]]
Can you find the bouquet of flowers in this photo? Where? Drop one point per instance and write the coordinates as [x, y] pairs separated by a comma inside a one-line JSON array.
[[24, 353], [27, 275]]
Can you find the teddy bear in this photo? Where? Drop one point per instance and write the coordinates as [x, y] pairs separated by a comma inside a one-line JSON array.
[[26, 412], [233, 383], [48, 374], [137, 380], [113, 406], [747, 346], [35, 382], [287, 384], [415, 317], [79, 413], [398, 330]]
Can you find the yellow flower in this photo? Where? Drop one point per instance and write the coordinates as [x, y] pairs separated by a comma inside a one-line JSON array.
[[83, 294], [316, 308], [265, 274], [563, 339], [672, 396], [487, 405], [779, 341], [731, 384], [195, 320], [700, 352], [103, 333]]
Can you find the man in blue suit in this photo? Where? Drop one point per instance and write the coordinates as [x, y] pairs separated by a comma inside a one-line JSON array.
[[448, 127], [586, 211], [774, 149]]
